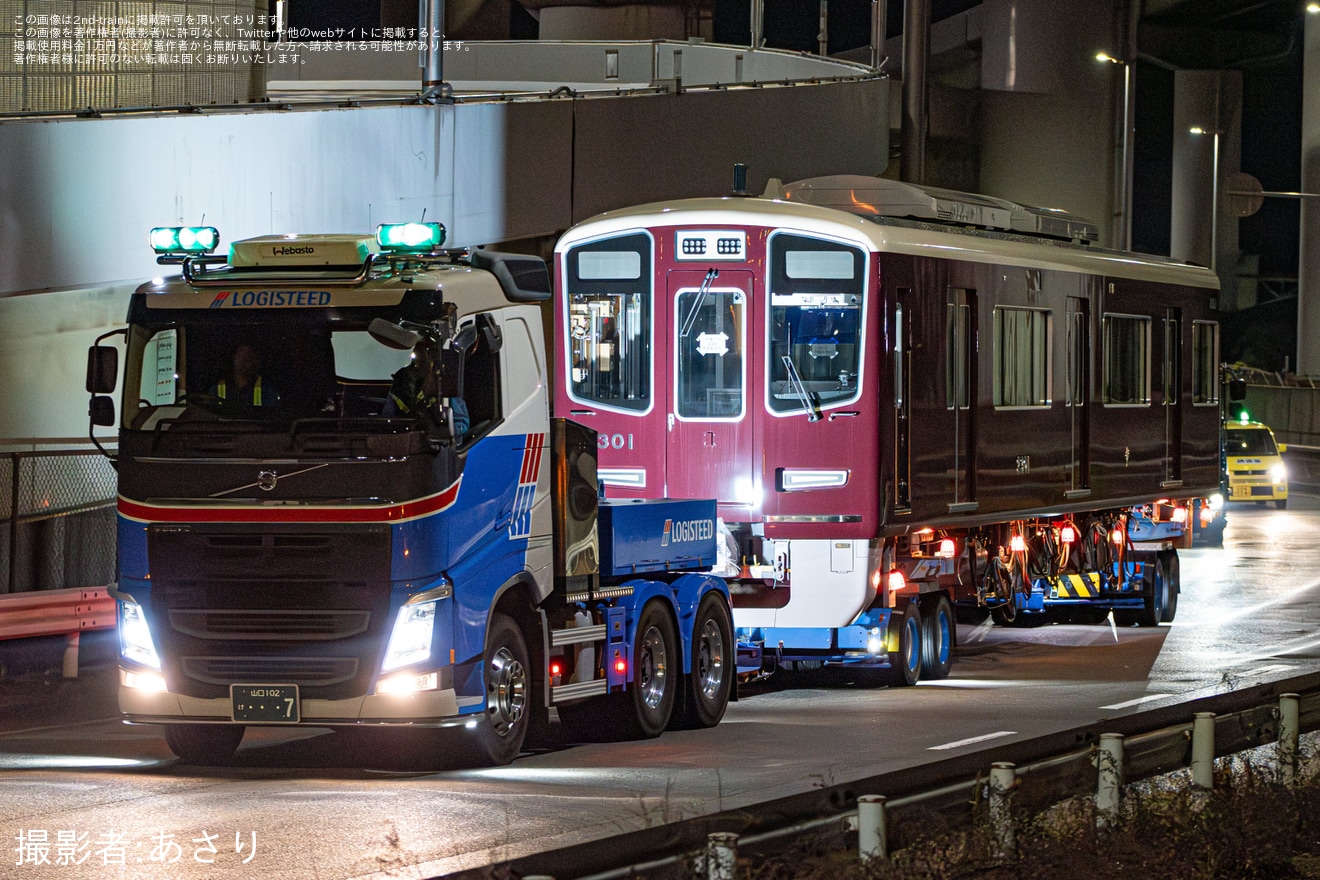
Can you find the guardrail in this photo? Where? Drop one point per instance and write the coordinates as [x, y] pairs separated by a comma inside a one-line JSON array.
[[65, 613], [1046, 770]]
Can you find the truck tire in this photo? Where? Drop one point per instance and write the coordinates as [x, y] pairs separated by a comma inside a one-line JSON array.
[[1155, 599], [506, 670], [204, 743], [938, 632], [905, 662], [710, 681], [656, 679], [1167, 569]]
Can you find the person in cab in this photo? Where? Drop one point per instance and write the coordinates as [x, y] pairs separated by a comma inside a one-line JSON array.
[[244, 386]]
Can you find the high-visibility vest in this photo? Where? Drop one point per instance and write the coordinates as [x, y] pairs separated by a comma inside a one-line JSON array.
[[221, 391]]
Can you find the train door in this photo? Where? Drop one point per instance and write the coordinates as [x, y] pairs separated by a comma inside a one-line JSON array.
[[961, 395], [708, 425], [1079, 382], [902, 368], [1172, 387]]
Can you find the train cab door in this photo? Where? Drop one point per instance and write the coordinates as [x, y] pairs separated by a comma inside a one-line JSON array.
[[1078, 351], [961, 395], [709, 424], [1172, 393]]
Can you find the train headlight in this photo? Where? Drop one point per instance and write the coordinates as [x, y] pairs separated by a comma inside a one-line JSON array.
[[1279, 473], [135, 642], [410, 640]]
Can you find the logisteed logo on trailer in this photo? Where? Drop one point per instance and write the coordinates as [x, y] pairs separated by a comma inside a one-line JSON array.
[[686, 530], [269, 299]]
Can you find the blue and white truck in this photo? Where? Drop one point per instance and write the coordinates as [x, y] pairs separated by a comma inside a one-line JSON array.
[[307, 544]]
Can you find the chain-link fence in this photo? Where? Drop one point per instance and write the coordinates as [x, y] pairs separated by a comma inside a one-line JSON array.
[[57, 508]]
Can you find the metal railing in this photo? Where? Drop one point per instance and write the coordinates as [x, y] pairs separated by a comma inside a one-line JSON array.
[[57, 507], [1046, 770]]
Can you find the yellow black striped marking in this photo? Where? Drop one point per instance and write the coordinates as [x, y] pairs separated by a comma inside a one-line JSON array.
[[1075, 586]]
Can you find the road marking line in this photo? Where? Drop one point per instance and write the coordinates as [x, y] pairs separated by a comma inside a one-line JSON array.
[[1266, 670], [1137, 701], [972, 740]]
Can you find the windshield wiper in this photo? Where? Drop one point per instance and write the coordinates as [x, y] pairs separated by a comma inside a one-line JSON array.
[[702, 293], [809, 398]]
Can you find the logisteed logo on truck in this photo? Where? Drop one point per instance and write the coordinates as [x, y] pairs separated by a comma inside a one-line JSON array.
[[685, 530]]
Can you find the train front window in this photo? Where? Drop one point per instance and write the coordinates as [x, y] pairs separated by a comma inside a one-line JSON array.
[[814, 349], [709, 353], [609, 315]]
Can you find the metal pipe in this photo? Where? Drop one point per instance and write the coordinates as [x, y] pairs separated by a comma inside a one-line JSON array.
[[1109, 778], [1289, 729], [872, 835], [433, 52], [916, 49], [823, 34], [879, 31], [758, 23], [1203, 751], [721, 855], [1003, 779]]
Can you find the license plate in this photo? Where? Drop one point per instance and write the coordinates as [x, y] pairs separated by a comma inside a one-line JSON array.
[[265, 703]]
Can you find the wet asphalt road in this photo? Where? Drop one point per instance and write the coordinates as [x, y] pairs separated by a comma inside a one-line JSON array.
[[84, 796]]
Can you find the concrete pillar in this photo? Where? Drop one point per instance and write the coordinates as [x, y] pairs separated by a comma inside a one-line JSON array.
[[1048, 129], [1202, 233], [1308, 263]]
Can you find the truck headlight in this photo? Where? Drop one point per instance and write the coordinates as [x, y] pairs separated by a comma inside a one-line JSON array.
[[410, 640], [135, 636], [1279, 473]]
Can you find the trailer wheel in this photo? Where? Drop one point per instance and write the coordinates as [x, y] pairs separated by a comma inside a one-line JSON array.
[[204, 743], [713, 667], [905, 662], [937, 636], [505, 667], [1167, 571], [656, 678]]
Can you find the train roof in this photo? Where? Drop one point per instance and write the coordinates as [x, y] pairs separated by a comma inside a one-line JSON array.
[[890, 217]]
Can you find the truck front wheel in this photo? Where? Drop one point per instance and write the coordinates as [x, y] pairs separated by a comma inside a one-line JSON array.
[[204, 743], [506, 671]]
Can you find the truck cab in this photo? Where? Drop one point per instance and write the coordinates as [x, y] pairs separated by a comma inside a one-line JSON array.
[[1253, 461]]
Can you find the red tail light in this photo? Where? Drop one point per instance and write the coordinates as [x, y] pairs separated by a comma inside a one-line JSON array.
[[1068, 535], [896, 580]]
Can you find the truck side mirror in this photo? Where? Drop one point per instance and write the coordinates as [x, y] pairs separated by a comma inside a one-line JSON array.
[[101, 411], [102, 372], [1237, 389]]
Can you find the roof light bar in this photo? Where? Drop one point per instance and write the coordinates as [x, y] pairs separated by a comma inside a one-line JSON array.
[[410, 237], [184, 239]]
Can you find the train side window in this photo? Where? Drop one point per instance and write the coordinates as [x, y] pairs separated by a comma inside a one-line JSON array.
[[1205, 363], [1127, 360], [1022, 346], [957, 362], [609, 319]]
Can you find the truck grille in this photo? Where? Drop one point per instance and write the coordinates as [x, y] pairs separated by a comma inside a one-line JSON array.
[[270, 670], [255, 604], [269, 624]]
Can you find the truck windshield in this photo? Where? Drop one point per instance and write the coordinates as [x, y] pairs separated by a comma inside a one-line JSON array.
[[1251, 441], [256, 372]]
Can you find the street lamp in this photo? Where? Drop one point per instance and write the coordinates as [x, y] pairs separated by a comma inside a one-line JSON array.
[[1214, 194], [1123, 228]]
